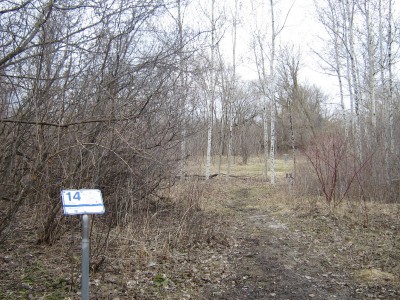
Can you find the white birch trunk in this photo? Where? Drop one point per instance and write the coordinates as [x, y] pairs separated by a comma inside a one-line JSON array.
[[231, 117], [390, 81], [272, 78], [230, 138], [211, 102], [371, 69], [341, 94], [265, 138], [385, 113], [348, 65], [182, 94], [292, 134], [355, 86], [209, 134]]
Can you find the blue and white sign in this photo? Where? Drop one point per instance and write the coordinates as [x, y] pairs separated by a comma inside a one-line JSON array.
[[81, 202]]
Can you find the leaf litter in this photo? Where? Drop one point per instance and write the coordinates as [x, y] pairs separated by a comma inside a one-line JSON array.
[[249, 241]]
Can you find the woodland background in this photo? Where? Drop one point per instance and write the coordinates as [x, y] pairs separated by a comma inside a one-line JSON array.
[[132, 97]]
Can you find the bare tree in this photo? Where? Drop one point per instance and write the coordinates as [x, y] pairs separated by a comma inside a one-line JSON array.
[[259, 54], [234, 80], [273, 99], [361, 36], [83, 105], [212, 92], [330, 16], [289, 71]]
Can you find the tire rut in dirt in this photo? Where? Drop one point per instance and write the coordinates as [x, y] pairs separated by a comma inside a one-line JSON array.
[[264, 270], [262, 275]]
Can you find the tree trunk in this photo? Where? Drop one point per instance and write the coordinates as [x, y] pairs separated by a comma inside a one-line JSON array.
[[273, 99], [233, 85], [355, 86], [182, 94], [212, 86]]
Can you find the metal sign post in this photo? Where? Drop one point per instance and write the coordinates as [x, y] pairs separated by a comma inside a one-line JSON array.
[[85, 257], [83, 202]]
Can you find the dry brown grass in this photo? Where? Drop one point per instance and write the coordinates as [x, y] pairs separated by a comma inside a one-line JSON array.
[[181, 246], [359, 237]]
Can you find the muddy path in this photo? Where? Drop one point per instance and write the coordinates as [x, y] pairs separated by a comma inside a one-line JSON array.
[[274, 260]]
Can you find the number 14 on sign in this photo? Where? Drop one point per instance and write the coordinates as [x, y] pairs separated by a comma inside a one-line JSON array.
[[76, 196]]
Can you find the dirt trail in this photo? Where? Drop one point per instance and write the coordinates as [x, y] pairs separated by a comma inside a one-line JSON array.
[[273, 261], [249, 241]]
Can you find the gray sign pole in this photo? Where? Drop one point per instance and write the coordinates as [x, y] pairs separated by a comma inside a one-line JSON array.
[[83, 202], [85, 257]]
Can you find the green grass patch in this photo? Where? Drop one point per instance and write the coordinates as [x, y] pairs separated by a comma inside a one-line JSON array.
[[255, 167], [252, 170]]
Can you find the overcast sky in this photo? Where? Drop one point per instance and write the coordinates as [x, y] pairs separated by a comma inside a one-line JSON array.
[[302, 30]]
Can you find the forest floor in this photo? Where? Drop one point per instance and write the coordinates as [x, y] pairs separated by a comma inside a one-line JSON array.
[[285, 249], [244, 240]]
